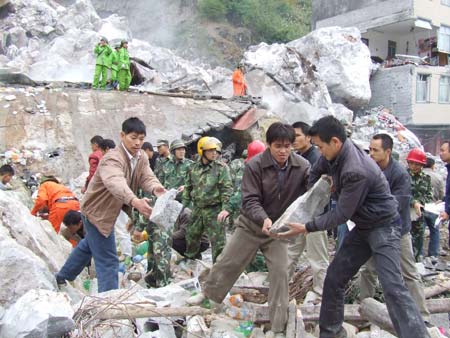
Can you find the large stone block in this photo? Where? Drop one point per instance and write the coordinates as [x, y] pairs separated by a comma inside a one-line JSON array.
[[32, 233], [38, 313], [342, 60]]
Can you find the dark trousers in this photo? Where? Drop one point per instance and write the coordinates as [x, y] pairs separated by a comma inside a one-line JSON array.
[[383, 244], [179, 245]]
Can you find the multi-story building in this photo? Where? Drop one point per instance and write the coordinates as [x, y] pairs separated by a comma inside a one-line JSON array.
[[411, 38]]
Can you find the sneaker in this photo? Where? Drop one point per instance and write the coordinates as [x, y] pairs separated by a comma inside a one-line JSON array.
[[196, 300], [61, 283]]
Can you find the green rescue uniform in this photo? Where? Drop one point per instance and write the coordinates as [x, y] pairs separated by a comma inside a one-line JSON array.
[[209, 188]]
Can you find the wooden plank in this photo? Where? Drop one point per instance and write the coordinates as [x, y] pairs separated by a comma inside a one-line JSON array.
[[300, 331], [292, 319]]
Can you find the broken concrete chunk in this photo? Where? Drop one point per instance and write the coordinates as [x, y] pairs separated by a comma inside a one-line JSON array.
[[306, 207], [9, 97], [38, 313], [196, 327], [166, 210]]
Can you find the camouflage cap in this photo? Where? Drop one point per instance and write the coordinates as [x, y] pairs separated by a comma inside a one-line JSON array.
[[162, 142], [177, 144]]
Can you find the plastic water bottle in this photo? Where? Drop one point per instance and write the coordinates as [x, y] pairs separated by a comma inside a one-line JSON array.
[[236, 300], [240, 313]]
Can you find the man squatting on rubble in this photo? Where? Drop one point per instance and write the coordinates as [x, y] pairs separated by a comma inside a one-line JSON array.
[[6, 175], [363, 196], [113, 187], [272, 180], [399, 181]]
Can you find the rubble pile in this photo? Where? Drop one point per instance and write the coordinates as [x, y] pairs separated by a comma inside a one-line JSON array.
[[50, 42], [381, 120]]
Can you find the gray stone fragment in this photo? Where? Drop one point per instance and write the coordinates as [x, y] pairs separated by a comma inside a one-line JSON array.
[[306, 207], [38, 313], [166, 210]]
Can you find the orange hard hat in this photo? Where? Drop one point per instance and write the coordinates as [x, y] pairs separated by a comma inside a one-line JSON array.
[[254, 148], [417, 155]]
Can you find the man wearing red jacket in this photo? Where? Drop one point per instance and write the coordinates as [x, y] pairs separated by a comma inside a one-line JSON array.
[[94, 159]]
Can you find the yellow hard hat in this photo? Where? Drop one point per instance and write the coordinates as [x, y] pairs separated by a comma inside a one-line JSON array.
[[212, 143], [200, 144]]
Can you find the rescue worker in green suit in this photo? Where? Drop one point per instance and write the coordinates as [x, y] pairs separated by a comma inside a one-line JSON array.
[[124, 75], [102, 51], [114, 57], [208, 186]]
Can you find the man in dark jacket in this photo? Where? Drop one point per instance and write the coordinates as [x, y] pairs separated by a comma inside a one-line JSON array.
[[363, 196], [400, 184], [445, 157], [272, 180]]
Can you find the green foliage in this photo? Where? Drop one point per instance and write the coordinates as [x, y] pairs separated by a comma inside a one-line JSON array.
[[213, 9], [268, 20]]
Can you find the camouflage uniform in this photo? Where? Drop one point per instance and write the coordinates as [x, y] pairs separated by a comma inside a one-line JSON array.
[[159, 249], [422, 192], [209, 187], [161, 162], [237, 171], [174, 172]]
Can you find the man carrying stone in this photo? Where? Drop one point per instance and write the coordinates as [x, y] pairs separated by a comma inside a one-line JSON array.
[[316, 244], [121, 172], [363, 196], [399, 181], [272, 180]]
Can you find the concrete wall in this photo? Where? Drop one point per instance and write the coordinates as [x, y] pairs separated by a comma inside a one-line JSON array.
[[395, 88], [433, 112], [364, 14], [391, 87], [432, 10]]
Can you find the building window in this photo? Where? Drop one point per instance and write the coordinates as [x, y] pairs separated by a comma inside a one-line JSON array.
[[422, 88], [444, 39], [392, 46], [445, 2], [444, 89]]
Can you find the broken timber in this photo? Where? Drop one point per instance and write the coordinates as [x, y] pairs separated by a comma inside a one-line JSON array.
[[310, 313], [130, 310]]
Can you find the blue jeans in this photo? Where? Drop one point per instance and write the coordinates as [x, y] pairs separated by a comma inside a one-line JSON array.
[[383, 244], [104, 251], [433, 244]]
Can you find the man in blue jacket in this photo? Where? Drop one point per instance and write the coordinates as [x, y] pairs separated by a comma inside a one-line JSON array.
[[363, 196], [400, 184]]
